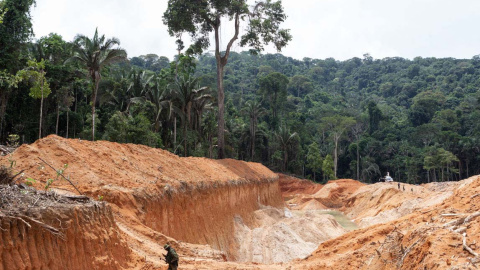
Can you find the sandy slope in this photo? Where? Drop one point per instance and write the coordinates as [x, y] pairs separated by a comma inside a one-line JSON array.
[[423, 239], [284, 235]]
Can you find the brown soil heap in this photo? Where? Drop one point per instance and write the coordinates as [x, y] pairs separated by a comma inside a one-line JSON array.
[[44, 230], [157, 197], [214, 212]]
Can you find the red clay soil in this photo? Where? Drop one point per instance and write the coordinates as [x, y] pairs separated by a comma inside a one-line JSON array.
[[429, 238], [291, 186], [383, 202], [336, 192], [41, 230], [303, 194], [157, 197]]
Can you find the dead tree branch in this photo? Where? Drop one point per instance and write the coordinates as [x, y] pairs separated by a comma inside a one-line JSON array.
[[474, 261], [454, 223], [408, 251], [472, 216], [466, 247], [61, 175], [77, 198], [20, 219], [452, 215], [15, 176]]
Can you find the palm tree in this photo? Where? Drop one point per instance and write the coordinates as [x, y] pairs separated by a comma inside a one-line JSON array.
[[254, 110], [116, 95], [94, 54], [201, 104], [138, 87], [159, 95], [185, 91], [286, 140]]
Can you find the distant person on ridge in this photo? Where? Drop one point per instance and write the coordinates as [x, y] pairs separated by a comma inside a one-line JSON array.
[[171, 258]]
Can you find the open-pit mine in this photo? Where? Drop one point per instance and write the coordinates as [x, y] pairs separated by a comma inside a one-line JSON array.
[[75, 204]]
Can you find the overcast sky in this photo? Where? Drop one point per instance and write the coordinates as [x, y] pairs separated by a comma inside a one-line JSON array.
[[341, 29]]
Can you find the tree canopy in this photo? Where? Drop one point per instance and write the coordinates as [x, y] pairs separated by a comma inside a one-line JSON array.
[[315, 118], [201, 18]]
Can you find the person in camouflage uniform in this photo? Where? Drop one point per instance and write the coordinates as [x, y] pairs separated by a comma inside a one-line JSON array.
[[171, 258]]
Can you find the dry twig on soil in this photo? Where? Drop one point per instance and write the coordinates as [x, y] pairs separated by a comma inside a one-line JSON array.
[[452, 215], [405, 253], [472, 216], [454, 225], [474, 261], [466, 247]]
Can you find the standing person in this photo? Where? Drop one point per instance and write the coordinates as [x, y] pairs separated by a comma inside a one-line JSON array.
[[171, 258]]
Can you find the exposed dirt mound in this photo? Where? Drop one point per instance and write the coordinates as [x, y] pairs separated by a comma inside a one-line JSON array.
[[156, 195], [212, 211], [383, 202], [335, 193], [304, 195], [297, 193], [44, 230], [92, 165], [311, 204], [291, 186], [428, 238]]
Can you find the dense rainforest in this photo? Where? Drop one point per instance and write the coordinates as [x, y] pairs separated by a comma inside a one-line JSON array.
[[317, 118]]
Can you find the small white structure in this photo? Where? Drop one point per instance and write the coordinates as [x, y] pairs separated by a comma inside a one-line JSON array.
[[388, 178]]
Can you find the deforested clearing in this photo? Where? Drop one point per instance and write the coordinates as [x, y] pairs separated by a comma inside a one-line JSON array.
[[220, 214]]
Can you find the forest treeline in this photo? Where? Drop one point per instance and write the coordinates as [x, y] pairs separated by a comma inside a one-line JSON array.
[[321, 119]]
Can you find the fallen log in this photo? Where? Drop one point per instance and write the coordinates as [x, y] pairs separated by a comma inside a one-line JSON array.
[[77, 198]]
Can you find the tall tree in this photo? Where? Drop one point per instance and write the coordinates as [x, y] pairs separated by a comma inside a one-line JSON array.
[[337, 125], [314, 159], [300, 86], [357, 131], [94, 54], [35, 74], [200, 18], [328, 168], [64, 102], [15, 31], [274, 89], [374, 117], [55, 51]]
